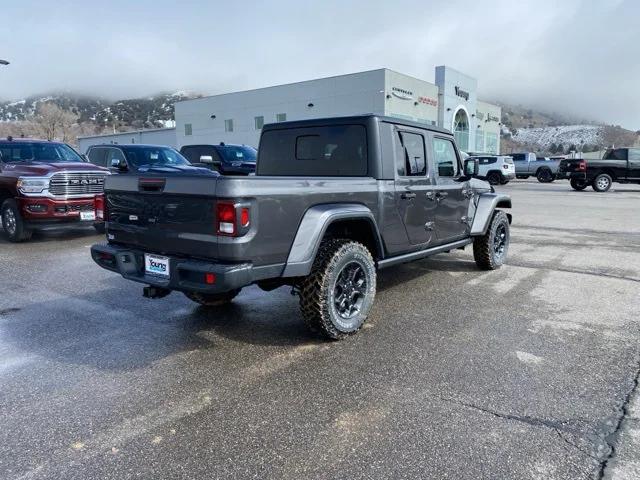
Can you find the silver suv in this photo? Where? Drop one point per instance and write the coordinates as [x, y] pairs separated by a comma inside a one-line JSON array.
[[496, 169]]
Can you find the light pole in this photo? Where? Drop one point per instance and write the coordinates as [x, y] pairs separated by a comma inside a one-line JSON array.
[[4, 62]]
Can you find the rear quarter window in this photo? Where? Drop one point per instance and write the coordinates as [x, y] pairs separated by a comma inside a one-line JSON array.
[[338, 150]]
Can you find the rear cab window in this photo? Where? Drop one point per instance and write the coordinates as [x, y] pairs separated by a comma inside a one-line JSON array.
[[337, 150], [412, 158]]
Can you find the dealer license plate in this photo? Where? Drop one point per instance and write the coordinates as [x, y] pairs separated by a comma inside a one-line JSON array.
[[156, 265], [85, 216]]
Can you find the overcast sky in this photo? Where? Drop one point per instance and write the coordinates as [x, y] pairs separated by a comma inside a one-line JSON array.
[[576, 56]]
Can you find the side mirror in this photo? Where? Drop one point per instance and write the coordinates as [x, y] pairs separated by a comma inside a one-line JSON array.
[[119, 164], [206, 159], [471, 167]]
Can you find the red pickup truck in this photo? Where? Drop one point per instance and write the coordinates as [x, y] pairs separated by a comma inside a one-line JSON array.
[[46, 185]]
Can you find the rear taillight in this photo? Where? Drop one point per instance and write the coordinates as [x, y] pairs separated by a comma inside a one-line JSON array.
[[226, 219], [99, 205], [582, 166], [232, 219]]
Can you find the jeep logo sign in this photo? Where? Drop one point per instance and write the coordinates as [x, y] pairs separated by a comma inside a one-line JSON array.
[[462, 93], [402, 93]]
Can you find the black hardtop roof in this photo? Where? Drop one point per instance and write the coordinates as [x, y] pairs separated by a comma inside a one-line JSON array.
[[357, 119]]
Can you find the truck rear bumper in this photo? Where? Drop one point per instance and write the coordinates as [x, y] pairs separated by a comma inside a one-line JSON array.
[[571, 175], [186, 275]]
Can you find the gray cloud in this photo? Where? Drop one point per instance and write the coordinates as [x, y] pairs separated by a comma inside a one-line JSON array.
[[575, 56]]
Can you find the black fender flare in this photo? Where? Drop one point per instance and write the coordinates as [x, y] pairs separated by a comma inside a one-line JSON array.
[[487, 204], [312, 228]]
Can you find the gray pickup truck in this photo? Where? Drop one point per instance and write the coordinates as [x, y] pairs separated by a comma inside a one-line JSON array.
[[527, 164], [332, 201]]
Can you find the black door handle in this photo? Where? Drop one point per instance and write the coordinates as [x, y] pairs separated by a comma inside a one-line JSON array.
[[407, 195]]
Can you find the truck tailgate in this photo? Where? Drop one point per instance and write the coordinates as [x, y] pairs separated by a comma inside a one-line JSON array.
[[173, 215]]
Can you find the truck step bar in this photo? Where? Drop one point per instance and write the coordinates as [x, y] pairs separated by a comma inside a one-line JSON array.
[[409, 257]]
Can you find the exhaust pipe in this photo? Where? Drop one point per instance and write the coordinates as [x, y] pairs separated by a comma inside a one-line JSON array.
[[155, 292]]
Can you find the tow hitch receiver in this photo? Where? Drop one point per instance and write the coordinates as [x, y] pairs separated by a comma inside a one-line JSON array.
[[155, 292]]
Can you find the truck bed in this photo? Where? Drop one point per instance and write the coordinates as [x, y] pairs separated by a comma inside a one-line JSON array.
[[178, 216]]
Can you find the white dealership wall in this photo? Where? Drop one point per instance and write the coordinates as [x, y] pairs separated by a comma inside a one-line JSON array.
[[158, 136], [236, 117]]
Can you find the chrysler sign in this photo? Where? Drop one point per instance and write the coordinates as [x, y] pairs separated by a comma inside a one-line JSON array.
[[402, 93]]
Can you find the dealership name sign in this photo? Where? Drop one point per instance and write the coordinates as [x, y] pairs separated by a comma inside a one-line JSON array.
[[402, 93], [462, 93]]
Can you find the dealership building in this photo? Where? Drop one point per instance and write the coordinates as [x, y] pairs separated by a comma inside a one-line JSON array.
[[451, 102]]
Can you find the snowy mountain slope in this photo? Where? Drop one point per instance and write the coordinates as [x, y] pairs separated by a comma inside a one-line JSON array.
[[566, 135]]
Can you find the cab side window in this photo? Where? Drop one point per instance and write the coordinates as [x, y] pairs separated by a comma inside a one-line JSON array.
[[446, 159], [413, 158], [113, 154], [97, 156]]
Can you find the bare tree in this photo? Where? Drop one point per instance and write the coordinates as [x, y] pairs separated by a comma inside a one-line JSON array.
[[53, 119]]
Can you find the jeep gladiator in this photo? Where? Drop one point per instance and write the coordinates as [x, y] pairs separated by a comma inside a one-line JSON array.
[[332, 201], [46, 185]]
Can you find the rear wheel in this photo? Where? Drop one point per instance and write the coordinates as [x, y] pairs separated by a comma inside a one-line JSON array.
[[544, 175], [212, 299], [336, 297], [602, 182], [577, 184], [12, 222], [490, 250], [494, 178]]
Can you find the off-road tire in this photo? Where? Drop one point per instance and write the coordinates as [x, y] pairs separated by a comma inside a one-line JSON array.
[[213, 299], [494, 178], [544, 175], [484, 247], [318, 289], [17, 232], [602, 183], [578, 185]]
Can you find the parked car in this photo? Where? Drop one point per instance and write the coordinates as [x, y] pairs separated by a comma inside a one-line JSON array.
[[527, 164], [46, 185], [496, 169], [332, 201], [621, 165], [132, 158], [224, 158]]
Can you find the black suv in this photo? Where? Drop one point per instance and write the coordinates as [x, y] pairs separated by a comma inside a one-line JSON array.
[[226, 159], [138, 158]]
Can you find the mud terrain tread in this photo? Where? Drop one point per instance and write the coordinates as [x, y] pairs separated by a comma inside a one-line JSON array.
[[314, 288], [482, 246]]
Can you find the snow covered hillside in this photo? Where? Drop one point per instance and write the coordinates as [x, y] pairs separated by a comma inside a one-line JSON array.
[[566, 135]]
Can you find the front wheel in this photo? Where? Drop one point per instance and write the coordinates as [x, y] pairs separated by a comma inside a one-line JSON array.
[[490, 250], [12, 222], [602, 183], [336, 297], [578, 185], [212, 299]]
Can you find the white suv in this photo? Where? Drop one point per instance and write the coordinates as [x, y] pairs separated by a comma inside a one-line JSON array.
[[496, 169]]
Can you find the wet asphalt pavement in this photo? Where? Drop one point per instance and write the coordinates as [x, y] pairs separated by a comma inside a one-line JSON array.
[[525, 372]]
